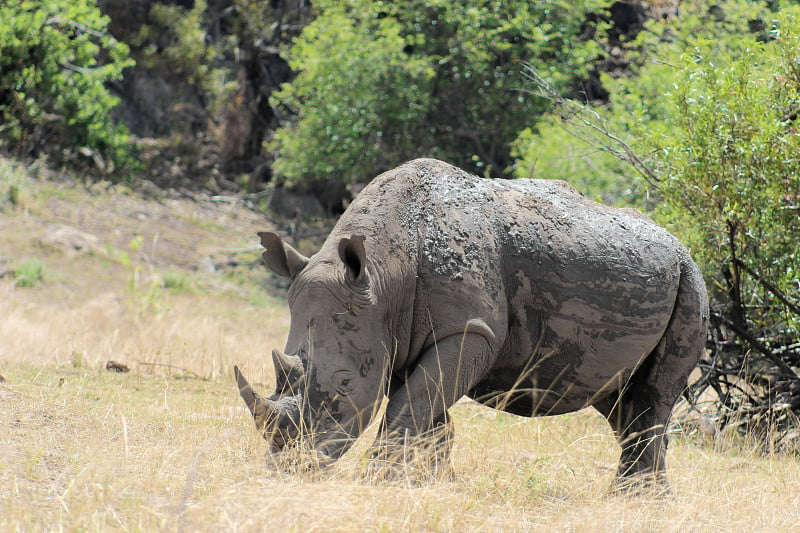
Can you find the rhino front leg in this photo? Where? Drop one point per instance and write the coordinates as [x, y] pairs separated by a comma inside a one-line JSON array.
[[417, 430], [420, 457]]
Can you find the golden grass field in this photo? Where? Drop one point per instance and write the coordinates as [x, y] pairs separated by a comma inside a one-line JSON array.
[[170, 446]]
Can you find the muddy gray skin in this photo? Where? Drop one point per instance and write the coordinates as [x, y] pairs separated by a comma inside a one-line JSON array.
[[523, 295]]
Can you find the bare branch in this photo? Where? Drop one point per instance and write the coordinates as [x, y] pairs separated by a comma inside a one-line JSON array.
[[769, 286], [185, 371], [591, 127], [76, 68], [83, 28], [755, 343]]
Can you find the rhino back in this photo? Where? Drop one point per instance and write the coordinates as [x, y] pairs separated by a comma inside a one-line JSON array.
[[582, 292]]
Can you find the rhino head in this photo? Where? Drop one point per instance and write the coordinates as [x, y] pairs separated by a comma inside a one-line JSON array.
[[332, 374]]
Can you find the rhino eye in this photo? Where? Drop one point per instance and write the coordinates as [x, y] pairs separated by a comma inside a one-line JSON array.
[[343, 379]]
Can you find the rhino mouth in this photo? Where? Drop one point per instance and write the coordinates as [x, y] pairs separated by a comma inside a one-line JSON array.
[[335, 445], [281, 427], [280, 420]]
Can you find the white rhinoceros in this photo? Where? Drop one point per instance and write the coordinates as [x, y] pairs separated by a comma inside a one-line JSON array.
[[524, 295]]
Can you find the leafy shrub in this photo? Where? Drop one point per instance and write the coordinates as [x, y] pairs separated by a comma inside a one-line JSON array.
[[175, 39], [12, 179], [552, 152], [576, 148], [382, 82], [357, 94], [478, 51], [179, 281], [712, 119], [54, 60]]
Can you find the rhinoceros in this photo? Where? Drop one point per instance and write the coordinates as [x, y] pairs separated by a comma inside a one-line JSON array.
[[523, 295]]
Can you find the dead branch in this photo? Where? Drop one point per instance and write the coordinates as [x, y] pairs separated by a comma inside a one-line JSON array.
[[184, 371], [590, 127], [755, 343], [769, 286]]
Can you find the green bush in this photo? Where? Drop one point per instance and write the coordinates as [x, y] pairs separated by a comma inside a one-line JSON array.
[[478, 51], [575, 145], [12, 180], [552, 152], [179, 281], [358, 96], [382, 82], [55, 58], [175, 40]]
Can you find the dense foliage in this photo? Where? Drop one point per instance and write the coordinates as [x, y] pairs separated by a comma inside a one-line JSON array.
[[54, 60], [381, 82], [552, 151], [713, 115], [358, 95]]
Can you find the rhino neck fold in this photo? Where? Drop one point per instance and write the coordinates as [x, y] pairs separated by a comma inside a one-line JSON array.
[[391, 240]]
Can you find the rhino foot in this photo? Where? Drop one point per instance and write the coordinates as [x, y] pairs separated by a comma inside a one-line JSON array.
[[297, 460], [413, 458], [642, 485]]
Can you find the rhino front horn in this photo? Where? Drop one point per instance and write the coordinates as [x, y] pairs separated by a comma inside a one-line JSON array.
[[259, 407]]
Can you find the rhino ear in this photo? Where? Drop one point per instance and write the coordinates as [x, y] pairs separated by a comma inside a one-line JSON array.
[[353, 255], [280, 257]]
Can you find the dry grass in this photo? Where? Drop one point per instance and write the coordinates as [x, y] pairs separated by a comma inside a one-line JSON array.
[[85, 449], [198, 335], [171, 447]]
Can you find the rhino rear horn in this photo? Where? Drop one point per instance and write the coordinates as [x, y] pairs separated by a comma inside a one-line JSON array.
[[288, 369]]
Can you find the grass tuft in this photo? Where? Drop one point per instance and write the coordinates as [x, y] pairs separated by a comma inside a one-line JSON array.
[[179, 281], [29, 272]]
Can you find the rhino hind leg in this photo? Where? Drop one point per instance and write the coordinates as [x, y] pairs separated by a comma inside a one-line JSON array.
[[640, 413]]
